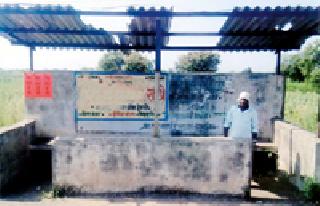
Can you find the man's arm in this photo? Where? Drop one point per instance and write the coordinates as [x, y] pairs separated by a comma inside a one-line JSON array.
[[225, 132], [254, 136], [227, 122], [254, 126]]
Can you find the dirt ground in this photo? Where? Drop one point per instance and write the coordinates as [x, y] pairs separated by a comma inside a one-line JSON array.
[[129, 202], [265, 191]]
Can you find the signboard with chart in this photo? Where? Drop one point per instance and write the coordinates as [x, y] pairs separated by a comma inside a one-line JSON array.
[[118, 97]]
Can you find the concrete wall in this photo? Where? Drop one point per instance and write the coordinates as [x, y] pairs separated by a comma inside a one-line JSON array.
[[121, 164], [55, 116], [197, 105], [14, 141], [298, 149]]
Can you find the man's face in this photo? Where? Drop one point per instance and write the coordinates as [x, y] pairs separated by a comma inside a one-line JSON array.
[[244, 104]]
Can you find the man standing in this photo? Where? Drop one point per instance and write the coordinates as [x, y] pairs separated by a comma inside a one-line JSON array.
[[241, 119]]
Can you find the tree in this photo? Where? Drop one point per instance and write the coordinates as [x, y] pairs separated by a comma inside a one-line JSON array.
[[117, 61], [112, 61], [291, 67], [246, 70], [299, 67], [315, 78], [135, 62], [198, 61]]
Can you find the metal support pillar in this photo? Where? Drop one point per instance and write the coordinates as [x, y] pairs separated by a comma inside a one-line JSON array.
[[318, 92], [278, 72], [31, 58], [278, 52], [156, 127]]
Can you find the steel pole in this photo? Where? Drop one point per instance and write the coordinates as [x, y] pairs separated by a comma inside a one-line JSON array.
[[156, 128], [31, 58]]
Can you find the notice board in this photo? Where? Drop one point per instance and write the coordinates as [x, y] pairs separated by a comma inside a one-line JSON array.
[[37, 85], [104, 97]]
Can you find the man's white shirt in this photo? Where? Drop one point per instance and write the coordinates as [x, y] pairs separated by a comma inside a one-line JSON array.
[[241, 123]]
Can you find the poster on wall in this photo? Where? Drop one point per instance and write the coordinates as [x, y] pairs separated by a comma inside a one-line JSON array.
[[107, 97], [37, 85]]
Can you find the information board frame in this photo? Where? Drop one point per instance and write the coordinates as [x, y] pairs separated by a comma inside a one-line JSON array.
[[122, 73]]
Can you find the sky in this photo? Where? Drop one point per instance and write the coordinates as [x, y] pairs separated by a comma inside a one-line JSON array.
[[13, 57]]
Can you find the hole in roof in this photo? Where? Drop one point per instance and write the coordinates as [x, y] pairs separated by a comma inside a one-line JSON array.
[[107, 23], [116, 38], [193, 41], [285, 27]]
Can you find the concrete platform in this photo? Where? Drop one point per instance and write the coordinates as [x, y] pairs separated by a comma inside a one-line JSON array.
[[97, 165]]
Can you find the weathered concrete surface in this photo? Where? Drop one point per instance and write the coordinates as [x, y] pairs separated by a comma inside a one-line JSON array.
[[201, 101], [14, 141], [55, 116], [305, 154], [197, 105], [142, 202], [283, 141], [120, 164], [299, 151]]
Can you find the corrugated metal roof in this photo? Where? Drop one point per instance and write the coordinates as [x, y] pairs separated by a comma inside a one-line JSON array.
[[263, 29], [245, 28], [61, 26], [52, 29], [148, 24]]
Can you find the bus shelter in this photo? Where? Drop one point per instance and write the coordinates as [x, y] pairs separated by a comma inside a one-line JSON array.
[[123, 164]]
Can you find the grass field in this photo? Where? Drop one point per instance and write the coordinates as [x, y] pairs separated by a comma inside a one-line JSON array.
[[303, 87], [301, 105], [11, 97]]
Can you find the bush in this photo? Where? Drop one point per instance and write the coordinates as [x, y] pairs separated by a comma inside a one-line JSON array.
[[311, 190], [299, 86], [315, 79]]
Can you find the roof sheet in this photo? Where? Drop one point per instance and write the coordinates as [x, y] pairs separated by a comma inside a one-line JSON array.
[[44, 29], [264, 29], [57, 26], [148, 25], [245, 28]]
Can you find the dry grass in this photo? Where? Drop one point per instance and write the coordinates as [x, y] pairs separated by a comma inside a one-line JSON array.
[[11, 97]]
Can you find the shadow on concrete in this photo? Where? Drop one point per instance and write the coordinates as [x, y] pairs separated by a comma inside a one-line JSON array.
[[278, 185], [32, 180]]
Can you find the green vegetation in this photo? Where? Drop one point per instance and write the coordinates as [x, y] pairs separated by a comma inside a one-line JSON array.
[[311, 190], [11, 97], [304, 66], [303, 86], [112, 61], [299, 86], [118, 61], [198, 62], [64, 191], [301, 105]]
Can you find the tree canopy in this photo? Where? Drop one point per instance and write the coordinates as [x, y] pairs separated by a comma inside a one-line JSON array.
[[112, 61], [135, 62], [118, 61], [305, 65], [198, 61]]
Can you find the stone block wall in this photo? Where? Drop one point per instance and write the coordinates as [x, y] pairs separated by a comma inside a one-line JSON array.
[[121, 164], [14, 142], [298, 150]]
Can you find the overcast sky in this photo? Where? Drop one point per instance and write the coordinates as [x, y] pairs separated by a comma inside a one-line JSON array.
[[18, 56]]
